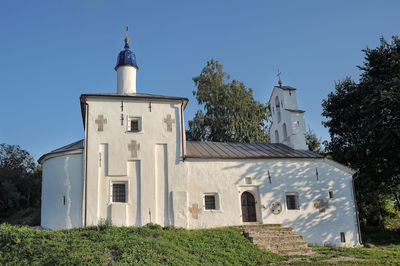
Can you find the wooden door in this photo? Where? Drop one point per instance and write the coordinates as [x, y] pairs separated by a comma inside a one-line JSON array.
[[248, 207]]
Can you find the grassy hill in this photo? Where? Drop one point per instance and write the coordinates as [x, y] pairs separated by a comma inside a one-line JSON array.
[[129, 245], [104, 244]]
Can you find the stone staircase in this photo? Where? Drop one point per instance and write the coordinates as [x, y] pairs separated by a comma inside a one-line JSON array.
[[277, 238]]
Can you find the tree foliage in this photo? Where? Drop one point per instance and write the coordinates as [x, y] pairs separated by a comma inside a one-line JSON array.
[[364, 125], [20, 181], [231, 114], [313, 142]]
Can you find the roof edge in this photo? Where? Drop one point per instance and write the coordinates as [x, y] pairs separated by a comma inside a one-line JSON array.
[[134, 96], [250, 157], [43, 158]]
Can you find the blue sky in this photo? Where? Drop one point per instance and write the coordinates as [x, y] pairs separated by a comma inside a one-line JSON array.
[[53, 51]]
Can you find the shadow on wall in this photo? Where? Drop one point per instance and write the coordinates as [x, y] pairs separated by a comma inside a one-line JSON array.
[[313, 181]]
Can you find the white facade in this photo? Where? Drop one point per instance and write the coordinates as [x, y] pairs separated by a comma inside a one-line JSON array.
[[147, 171], [134, 167], [62, 190], [164, 187], [227, 179]]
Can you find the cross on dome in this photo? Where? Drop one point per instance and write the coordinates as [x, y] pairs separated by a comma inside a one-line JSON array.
[[126, 57], [127, 38]]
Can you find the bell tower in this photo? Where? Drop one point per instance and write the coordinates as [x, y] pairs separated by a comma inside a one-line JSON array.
[[288, 124], [126, 68]]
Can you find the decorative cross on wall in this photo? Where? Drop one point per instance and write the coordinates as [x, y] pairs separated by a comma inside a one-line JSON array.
[[169, 122], [100, 121], [321, 205], [194, 210], [133, 147]]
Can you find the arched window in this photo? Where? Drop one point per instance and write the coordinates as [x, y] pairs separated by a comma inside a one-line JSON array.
[[276, 136], [278, 109], [284, 130]]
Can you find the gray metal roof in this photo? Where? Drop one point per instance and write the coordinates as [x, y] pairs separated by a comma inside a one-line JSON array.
[[73, 146], [223, 150], [286, 88], [226, 150], [295, 110], [70, 147]]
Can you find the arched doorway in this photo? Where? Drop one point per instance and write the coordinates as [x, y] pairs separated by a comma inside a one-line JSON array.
[[248, 207]]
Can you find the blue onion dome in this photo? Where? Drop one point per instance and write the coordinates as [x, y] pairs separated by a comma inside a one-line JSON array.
[[126, 57]]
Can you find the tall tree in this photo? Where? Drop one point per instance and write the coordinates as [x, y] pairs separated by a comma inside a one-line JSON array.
[[231, 114], [364, 123], [20, 181]]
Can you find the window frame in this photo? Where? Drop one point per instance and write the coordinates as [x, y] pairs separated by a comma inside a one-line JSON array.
[[297, 201], [125, 183], [216, 202], [133, 118]]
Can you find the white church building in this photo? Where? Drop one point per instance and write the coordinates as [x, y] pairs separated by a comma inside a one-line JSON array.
[[134, 167]]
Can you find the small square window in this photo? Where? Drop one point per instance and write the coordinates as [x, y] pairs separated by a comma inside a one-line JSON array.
[[210, 202], [248, 180], [134, 124], [292, 201], [119, 192]]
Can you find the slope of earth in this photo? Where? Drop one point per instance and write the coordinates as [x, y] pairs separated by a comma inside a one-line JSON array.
[[107, 244]]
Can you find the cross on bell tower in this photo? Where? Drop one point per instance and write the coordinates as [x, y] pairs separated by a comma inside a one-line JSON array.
[[279, 77]]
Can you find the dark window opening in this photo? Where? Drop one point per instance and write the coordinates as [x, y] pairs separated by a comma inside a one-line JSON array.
[[64, 200], [209, 201], [248, 180], [342, 237], [135, 125], [119, 193], [330, 194], [292, 202]]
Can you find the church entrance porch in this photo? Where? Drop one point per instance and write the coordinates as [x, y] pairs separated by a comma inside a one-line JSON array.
[[248, 204]]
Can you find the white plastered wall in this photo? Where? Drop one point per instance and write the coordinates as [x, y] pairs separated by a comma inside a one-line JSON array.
[[148, 198], [227, 179], [126, 79], [295, 123], [62, 176]]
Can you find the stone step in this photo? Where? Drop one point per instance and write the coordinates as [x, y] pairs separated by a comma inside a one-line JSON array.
[[273, 233], [261, 226], [306, 251], [277, 238], [277, 229], [283, 246]]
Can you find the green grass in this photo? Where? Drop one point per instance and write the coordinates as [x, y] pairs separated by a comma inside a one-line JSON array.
[[99, 245], [129, 245], [384, 255]]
